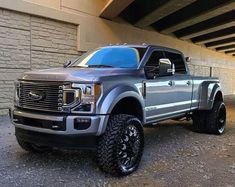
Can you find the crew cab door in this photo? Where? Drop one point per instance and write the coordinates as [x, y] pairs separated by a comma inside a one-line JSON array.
[[182, 82], [159, 90]]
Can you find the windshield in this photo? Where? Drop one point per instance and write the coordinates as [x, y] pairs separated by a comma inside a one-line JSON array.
[[111, 57]]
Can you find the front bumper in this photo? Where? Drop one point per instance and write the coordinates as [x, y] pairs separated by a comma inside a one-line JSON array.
[[57, 124], [56, 140]]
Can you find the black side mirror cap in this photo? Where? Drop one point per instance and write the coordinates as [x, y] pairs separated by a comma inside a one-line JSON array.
[[188, 59], [67, 63]]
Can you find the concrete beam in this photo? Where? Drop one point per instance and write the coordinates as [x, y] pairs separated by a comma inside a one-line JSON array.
[[52, 3], [215, 36], [201, 17], [232, 52], [225, 48], [214, 28], [209, 30], [220, 43], [163, 11], [114, 7], [90, 7]]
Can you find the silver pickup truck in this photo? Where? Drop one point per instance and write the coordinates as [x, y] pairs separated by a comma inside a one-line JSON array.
[[103, 99]]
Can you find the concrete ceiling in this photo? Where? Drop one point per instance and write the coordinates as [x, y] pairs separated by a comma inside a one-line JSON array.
[[209, 23]]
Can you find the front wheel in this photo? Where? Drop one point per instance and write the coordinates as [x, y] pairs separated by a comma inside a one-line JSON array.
[[120, 147]]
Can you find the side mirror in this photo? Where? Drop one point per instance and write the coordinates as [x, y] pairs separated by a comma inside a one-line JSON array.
[[188, 59], [67, 63], [165, 67]]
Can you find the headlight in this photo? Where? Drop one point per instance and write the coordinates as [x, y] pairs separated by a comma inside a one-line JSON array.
[[70, 97], [17, 93], [89, 94]]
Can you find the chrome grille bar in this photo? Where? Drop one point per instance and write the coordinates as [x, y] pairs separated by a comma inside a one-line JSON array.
[[52, 99]]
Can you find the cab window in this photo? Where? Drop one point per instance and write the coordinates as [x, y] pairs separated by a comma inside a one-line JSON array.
[[152, 65], [177, 60], [154, 58]]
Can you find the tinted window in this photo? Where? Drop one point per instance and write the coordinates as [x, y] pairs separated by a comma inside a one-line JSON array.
[[152, 65], [176, 59], [117, 57], [154, 58]]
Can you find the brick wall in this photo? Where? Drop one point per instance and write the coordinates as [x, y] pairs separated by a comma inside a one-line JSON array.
[[225, 75], [28, 42]]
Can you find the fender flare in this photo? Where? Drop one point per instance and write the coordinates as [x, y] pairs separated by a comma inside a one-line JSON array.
[[208, 91], [112, 98], [215, 91]]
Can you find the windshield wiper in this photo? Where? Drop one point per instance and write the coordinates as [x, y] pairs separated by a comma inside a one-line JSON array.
[[100, 66], [77, 67]]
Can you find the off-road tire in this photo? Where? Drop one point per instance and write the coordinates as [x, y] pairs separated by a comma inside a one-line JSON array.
[[199, 121], [111, 144], [216, 118], [32, 148]]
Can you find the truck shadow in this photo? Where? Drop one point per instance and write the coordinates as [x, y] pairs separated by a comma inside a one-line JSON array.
[[167, 132]]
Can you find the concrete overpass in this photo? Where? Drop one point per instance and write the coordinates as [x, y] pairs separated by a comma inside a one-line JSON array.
[[207, 23]]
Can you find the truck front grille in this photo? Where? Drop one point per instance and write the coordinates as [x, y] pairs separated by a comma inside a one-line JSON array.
[[45, 96]]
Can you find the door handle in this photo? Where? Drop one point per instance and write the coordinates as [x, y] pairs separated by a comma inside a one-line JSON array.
[[188, 83], [170, 83], [144, 89]]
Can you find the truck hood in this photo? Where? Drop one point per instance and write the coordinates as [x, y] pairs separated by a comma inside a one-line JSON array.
[[75, 74]]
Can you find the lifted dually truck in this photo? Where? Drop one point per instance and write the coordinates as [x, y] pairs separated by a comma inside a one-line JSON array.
[[103, 100]]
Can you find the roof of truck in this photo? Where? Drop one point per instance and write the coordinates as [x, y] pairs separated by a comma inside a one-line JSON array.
[[142, 46]]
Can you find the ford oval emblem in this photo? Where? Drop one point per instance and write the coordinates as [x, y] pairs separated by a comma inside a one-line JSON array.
[[36, 96]]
